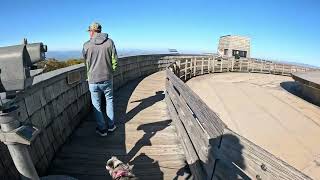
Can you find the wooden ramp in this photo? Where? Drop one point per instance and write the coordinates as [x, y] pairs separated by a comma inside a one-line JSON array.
[[145, 138]]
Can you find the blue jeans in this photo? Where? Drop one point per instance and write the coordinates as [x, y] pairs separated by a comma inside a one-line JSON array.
[[97, 90]]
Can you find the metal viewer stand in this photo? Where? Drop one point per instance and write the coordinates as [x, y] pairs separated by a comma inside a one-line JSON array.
[[15, 65]]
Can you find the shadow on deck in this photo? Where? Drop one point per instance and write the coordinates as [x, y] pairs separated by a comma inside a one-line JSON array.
[[144, 138]]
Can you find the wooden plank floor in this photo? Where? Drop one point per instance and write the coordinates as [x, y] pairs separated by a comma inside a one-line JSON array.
[[145, 138]]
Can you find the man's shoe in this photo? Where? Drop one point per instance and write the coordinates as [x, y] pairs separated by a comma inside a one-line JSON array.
[[112, 128], [102, 132]]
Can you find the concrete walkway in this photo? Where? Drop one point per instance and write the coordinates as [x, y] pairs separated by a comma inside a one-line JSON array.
[[258, 107]]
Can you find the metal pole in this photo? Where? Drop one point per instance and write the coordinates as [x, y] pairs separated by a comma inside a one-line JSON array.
[[19, 152]]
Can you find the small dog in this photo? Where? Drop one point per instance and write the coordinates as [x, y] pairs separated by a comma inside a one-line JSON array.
[[118, 170]]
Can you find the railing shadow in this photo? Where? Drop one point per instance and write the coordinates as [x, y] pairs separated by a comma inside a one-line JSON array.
[[229, 159], [144, 103], [143, 162]]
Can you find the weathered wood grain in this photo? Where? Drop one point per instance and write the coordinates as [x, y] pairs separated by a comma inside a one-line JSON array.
[[253, 160], [144, 138]]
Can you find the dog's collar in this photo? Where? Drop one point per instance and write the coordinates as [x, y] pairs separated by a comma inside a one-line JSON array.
[[119, 173]]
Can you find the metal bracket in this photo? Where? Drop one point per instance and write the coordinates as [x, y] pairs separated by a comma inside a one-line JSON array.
[[22, 135]]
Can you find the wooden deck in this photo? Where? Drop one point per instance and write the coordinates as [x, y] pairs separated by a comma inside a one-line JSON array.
[[145, 137]]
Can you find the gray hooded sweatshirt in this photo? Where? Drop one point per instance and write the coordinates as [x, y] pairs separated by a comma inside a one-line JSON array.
[[101, 58]]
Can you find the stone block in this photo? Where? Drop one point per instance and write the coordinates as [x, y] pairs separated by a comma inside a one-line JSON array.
[[85, 87], [50, 134], [36, 120], [59, 104], [50, 153], [42, 165], [79, 104], [78, 90], [55, 145], [63, 85], [75, 94], [69, 113], [64, 136], [44, 119], [55, 108], [68, 131], [64, 101], [75, 109], [12, 172], [59, 140], [44, 139], [49, 93], [65, 117], [55, 127], [69, 96], [33, 155], [33, 103], [49, 112], [40, 94], [38, 146], [22, 111]]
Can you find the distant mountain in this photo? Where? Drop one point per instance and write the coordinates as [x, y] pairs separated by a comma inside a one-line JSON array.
[[64, 55], [298, 64]]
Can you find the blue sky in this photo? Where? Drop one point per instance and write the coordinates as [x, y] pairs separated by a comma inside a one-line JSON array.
[[282, 30]]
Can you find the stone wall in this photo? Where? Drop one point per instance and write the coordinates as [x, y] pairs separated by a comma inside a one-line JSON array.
[[56, 107]]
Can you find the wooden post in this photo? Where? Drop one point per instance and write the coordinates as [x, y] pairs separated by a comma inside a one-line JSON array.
[[209, 63], [179, 67], [213, 64], [202, 64], [185, 69], [194, 66]]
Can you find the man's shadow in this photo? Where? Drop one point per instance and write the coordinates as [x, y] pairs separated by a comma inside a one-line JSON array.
[[150, 130]]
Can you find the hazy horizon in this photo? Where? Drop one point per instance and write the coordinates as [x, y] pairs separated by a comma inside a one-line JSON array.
[[65, 55]]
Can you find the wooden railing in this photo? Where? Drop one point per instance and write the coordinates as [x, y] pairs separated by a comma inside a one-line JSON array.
[[212, 150], [190, 66]]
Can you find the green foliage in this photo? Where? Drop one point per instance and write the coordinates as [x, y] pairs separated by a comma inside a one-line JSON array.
[[53, 64]]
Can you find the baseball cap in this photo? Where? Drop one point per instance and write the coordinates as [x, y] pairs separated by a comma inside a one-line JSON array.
[[95, 27]]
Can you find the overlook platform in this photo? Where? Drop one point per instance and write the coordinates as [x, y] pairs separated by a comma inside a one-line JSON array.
[[145, 137], [168, 130], [258, 107]]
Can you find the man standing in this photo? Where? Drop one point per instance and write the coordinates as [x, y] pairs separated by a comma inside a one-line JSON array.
[[101, 61]]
